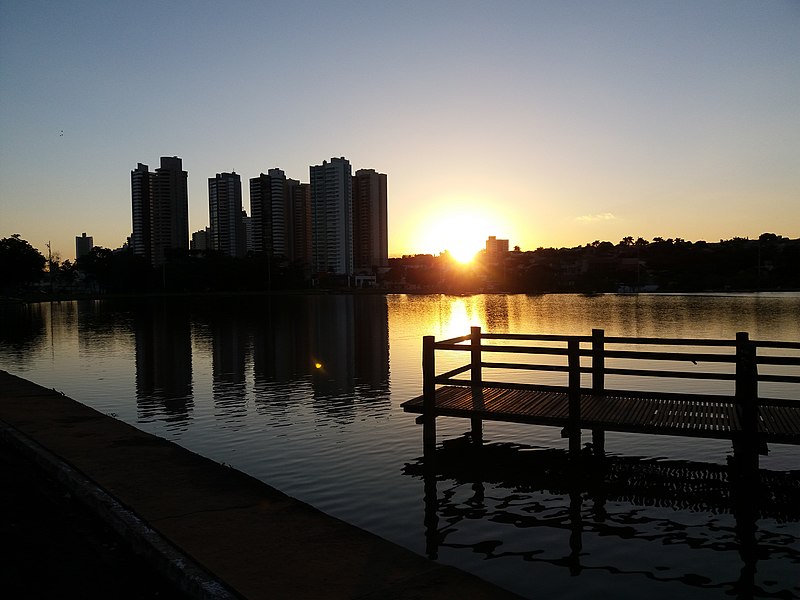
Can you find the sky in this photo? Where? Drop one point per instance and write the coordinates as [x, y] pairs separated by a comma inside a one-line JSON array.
[[548, 124]]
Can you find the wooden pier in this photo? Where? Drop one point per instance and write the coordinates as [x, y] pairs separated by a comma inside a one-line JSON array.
[[741, 415]]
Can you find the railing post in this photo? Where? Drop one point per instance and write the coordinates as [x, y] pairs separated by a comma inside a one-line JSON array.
[[574, 364], [598, 385], [476, 378], [428, 395], [747, 401], [598, 361], [475, 357]]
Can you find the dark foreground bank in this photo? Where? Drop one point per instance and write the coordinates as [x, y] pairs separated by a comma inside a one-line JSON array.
[[205, 529], [55, 547]]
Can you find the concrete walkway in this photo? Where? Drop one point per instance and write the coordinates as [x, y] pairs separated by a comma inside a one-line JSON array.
[[214, 531]]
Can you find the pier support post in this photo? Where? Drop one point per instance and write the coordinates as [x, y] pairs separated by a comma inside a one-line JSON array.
[[476, 379], [599, 443], [431, 502], [574, 363], [428, 396], [598, 386], [575, 523], [745, 445]]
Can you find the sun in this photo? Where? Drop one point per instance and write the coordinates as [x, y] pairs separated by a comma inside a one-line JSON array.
[[463, 249], [462, 235], [460, 230]]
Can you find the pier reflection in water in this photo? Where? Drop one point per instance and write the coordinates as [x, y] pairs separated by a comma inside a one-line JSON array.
[[602, 503]]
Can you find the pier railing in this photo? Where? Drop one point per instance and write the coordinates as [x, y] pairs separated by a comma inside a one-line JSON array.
[[738, 413], [743, 355]]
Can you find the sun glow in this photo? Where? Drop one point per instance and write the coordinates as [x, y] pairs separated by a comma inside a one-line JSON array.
[[459, 230]]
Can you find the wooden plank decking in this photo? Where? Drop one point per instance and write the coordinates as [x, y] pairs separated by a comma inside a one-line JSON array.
[[746, 418], [668, 414]]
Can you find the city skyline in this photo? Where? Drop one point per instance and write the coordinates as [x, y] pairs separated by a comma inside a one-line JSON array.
[[335, 225], [547, 124]]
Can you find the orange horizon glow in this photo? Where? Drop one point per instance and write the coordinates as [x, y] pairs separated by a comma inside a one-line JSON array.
[[457, 227], [463, 256]]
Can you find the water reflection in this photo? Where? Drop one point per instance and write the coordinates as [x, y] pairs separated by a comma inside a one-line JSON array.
[[328, 352], [281, 342], [163, 361], [765, 316], [350, 349], [22, 330], [601, 502], [235, 379]]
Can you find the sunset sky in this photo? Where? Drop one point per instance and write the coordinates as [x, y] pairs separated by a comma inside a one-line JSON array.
[[547, 123]]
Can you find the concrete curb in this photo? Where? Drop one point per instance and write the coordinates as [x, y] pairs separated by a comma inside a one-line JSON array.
[[168, 560]]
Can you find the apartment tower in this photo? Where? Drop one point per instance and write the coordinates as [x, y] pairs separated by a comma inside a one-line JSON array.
[[160, 206], [332, 217], [142, 204], [268, 209], [370, 236], [300, 221], [228, 234], [495, 247], [83, 245]]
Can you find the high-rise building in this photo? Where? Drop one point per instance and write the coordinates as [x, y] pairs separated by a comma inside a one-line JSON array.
[[201, 240], [170, 213], [248, 232], [142, 204], [160, 205], [332, 217], [370, 235], [228, 234], [299, 225], [269, 207], [83, 245]]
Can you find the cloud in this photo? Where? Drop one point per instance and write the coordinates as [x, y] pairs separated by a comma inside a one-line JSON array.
[[597, 217]]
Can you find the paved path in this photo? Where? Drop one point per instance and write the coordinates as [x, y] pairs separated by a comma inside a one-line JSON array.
[[53, 546], [215, 531]]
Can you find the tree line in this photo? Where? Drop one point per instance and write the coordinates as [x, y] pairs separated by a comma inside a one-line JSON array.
[[25, 271], [771, 262], [633, 264]]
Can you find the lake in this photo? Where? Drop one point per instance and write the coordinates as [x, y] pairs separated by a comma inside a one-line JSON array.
[[304, 393]]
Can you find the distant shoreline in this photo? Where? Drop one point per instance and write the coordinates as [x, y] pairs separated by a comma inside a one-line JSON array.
[[38, 298]]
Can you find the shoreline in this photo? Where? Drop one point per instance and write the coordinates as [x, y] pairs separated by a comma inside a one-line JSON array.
[[31, 299]]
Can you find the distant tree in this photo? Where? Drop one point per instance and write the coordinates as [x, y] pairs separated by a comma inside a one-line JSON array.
[[63, 273], [626, 241], [605, 247], [20, 263], [97, 265], [768, 238], [53, 262], [641, 242]]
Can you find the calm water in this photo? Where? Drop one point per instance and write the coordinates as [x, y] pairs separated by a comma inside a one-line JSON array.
[[304, 393]]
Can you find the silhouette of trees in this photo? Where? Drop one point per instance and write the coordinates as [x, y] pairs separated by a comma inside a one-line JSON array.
[[20, 263], [105, 270], [634, 264], [626, 241], [768, 263]]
